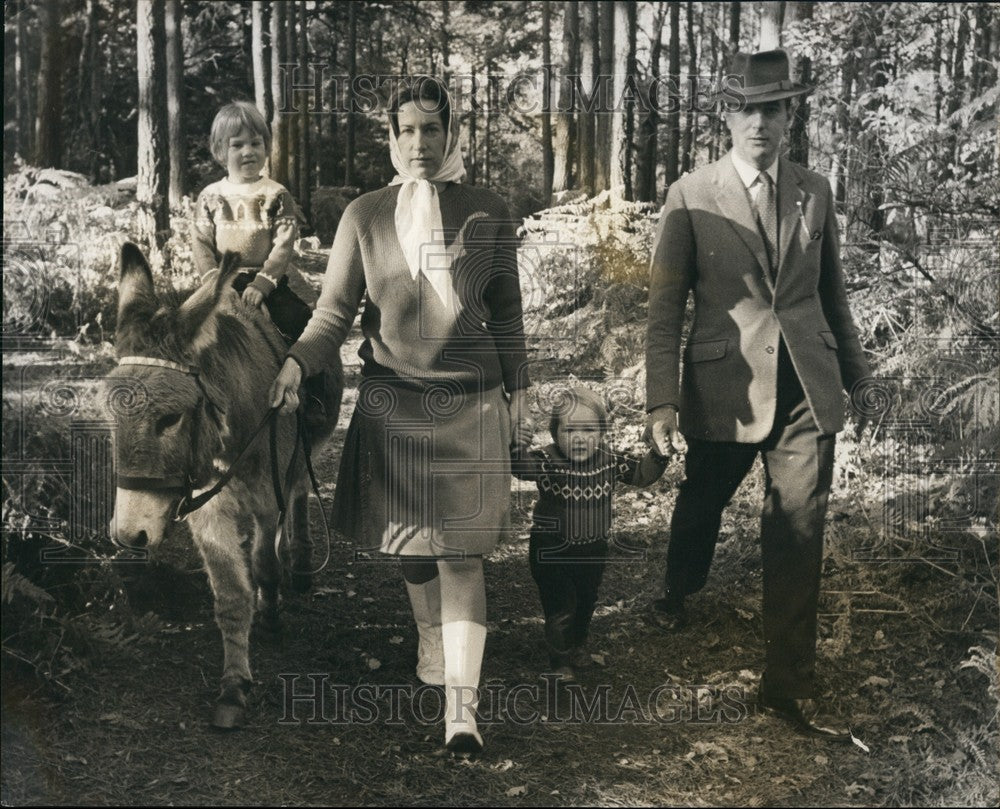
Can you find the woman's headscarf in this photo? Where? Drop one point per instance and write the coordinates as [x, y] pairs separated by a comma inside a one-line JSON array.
[[418, 211]]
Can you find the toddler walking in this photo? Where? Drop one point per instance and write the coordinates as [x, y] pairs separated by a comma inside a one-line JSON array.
[[571, 523]]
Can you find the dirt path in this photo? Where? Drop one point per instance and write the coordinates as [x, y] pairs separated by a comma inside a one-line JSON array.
[[676, 724]]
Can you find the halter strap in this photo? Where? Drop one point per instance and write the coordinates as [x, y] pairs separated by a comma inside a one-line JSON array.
[[158, 363]]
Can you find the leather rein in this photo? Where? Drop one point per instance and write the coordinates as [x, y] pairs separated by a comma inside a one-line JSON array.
[[187, 483]]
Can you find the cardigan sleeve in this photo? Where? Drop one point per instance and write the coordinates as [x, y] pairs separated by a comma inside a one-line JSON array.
[[284, 232], [640, 471], [503, 297], [339, 299], [203, 251]]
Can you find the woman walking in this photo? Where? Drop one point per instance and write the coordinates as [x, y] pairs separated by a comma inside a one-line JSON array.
[[425, 473]]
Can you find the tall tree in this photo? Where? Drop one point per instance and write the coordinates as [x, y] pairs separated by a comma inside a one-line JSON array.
[[772, 15], [650, 122], [564, 146], [589, 72], [734, 26], [352, 70], [48, 116], [472, 169], [688, 138], [305, 141], [89, 87], [673, 111], [261, 49], [445, 41], [619, 180], [292, 118], [279, 127], [153, 175], [957, 94], [548, 160], [605, 102], [798, 136], [22, 85], [176, 133]]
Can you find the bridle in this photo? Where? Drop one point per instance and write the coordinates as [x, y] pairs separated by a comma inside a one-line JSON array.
[[186, 482]]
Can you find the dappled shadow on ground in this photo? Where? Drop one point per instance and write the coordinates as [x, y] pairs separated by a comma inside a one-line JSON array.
[[671, 719]]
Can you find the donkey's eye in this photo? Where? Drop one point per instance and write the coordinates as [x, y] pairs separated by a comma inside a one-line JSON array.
[[164, 423]]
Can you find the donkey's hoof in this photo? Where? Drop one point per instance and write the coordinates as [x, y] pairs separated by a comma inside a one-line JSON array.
[[228, 716], [301, 582]]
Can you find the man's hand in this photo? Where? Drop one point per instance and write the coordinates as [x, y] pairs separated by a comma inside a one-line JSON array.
[[661, 431], [253, 297], [522, 427], [285, 389]]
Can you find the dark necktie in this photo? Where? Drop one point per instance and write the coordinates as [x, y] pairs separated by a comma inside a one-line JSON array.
[[767, 219]]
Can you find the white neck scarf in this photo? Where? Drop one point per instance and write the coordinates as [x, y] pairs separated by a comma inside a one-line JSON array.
[[418, 215]]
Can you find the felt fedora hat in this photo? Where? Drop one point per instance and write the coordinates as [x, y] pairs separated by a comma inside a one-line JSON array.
[[754, 78]]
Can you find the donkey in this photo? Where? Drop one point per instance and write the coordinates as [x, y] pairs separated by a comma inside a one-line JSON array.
[[191, 389]]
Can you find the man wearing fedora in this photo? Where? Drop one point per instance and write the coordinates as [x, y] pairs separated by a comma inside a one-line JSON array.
[[771, 351]]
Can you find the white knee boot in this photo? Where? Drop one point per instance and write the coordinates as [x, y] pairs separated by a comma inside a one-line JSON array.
[[464, 642], [425, 599]]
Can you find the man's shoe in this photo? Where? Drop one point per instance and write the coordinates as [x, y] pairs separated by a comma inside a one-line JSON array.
[[667, 614], [807, 716]]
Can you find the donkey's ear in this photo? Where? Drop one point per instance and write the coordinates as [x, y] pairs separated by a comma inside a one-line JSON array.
[[199, 313], [136, 296]]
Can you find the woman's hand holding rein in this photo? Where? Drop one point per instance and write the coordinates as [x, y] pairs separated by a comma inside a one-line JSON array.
[[285, 389]]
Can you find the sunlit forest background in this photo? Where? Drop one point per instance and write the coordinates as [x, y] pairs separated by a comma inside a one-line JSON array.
[[106, 117]]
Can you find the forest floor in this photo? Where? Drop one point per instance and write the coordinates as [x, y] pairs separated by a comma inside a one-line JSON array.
[[680, 727]]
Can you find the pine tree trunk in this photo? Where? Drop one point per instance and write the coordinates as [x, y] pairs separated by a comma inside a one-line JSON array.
[[673, 114], [153, 218], [605, 104], [89, 89], [307, 99], [688, 138], [548, 160], [472, 168], [446, 41], [618, 152], [801, 70], [352, 67], [564, 145], [175, 103], [589, 71], [488, 137], [279, 129], [648, 126], [261, 59], [772, 15], [734, 26], [957, 96], [48, 120], [292, 118]]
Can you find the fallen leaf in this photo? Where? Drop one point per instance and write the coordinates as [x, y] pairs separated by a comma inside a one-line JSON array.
[[513, 792], [878, 682], [855, 740], [598, 659], [374, 663], [395, 640], [822, 760]]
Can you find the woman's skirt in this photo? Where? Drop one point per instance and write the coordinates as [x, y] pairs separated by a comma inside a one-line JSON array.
[[425, 473]]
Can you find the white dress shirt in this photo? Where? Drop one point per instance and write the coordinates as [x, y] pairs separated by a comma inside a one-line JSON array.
[[750, 174]]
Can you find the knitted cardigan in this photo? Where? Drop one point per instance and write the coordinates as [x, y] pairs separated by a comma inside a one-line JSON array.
[[410, 336]]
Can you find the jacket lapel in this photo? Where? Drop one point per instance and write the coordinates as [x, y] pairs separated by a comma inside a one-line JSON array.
[[791, 206], [734, 202]]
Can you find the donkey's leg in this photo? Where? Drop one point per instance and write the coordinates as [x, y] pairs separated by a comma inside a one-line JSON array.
[[266, 572], [301, 544], [214, 529]]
